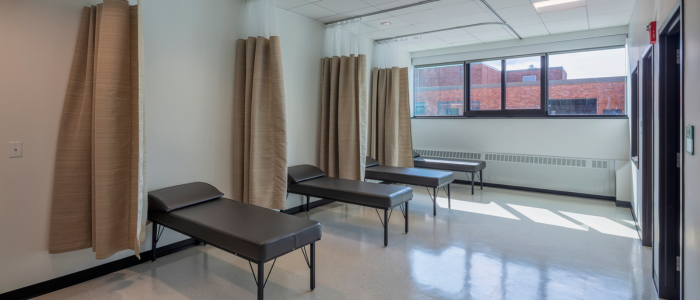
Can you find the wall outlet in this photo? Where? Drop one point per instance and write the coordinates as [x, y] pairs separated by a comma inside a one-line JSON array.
[[15, 149]]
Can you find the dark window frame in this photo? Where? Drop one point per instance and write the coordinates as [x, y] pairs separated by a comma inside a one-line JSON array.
[[520, 113], [634, 114]]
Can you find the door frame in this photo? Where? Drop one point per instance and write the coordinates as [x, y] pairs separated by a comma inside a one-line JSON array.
[[646, 155], [670, 172]]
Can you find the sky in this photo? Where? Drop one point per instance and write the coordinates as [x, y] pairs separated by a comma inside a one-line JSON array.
[[590, 64]]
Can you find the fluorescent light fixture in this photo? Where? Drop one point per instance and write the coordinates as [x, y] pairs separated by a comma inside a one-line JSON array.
[[556, 5], [386, 23]]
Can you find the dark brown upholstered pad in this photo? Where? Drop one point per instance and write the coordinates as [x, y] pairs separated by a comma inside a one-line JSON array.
[[184, 195], [413, 176], [451, 164], [257, 233], [303, 172], [353, 191]]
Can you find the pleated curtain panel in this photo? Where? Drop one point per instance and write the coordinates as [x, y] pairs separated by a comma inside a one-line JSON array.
[[343, 143], [260, 137], [99, 191], [389, 134]]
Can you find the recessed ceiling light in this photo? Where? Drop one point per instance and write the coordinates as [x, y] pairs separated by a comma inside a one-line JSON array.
[[386, 23], [555, 5], [418, 37]]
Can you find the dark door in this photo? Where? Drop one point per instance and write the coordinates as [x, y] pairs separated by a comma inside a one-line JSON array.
[[646, 149], [667, 209]]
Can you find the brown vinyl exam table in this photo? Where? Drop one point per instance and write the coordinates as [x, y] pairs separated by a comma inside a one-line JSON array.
[[253, 233]]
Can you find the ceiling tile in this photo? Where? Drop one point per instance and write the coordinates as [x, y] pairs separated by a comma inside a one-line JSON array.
[[472, 42], [610, 20], [574, 13], [489, 39], [376, 17], [449, 33], [403, 30], [395, 3], [533, 34], [432, 44], [610, 7], [498, 4], [377, 35], [460, 38], [417, 8], [567, 25], [342, 6], [361, 11], [517, 11], [332, 18], [441, 13], [491, 34], [287, 4], [376, 2], [530, 28], [366, 29], [436, 25], [395, 22], [485, 28], [481, 17], [526, 20], [312, 11]]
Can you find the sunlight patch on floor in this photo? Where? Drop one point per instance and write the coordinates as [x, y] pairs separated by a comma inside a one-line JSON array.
[[604, 225], [491, 209], [545, 216]]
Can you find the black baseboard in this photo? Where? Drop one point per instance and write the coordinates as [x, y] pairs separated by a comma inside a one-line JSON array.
[[536, 190], [624, 204], [62, 282], [302, 208]]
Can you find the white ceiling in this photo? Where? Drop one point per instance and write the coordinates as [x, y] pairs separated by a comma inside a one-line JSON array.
[[520, 14]]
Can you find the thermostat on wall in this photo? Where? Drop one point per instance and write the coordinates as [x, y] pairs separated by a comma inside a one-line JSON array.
[[689, 139]]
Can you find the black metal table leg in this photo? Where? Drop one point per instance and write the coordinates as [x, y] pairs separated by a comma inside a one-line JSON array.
[[481, 178], [154, 241], [313, 266], [449, 197], [434, 202], [307, 203], [261, 280], [386, 227], [473, 174], [406, 216]]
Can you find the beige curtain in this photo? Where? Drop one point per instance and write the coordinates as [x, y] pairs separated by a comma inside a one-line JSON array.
[[390, 120], [260, 137], [99, 186], [343, 116]]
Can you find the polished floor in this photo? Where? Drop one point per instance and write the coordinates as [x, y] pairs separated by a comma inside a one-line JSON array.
[[497, 244]]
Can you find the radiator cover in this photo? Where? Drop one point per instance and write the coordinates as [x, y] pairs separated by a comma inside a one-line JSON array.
[[566, 174]]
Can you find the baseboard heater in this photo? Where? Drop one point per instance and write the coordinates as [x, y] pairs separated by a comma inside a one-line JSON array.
[[565, 174]]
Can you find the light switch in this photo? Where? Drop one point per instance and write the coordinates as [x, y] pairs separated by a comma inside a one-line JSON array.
[[15, 149]]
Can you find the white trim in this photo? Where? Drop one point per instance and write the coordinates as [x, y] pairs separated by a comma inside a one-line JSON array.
[[608, 37]]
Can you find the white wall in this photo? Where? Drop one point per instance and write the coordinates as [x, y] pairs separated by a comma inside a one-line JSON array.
[[691, 163], [189, 74]]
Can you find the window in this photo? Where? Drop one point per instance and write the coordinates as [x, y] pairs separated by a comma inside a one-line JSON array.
[[438, 90], [596, 74], [585, 83], [573, 106], [634, 111], [419, 108], [450, 108], [521, 93], [485, 85]]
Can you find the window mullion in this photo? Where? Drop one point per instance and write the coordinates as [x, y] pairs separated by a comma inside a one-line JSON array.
[[503, 85]]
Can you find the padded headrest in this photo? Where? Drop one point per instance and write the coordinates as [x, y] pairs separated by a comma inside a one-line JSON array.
[[415, 154], [371, 162], [181, 196], [301, 173]]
